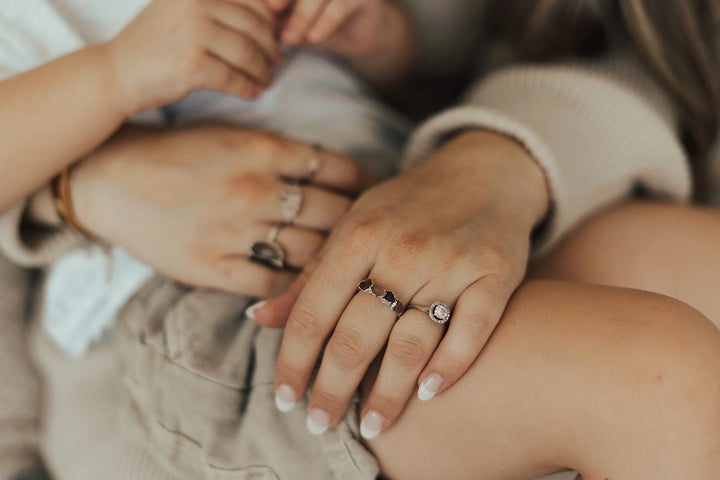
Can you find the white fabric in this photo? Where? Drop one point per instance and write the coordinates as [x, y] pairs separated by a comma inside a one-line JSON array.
[[313, 100]]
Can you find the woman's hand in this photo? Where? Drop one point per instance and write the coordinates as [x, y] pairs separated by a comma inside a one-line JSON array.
[[175, 47], [192, 202], [454, 229]]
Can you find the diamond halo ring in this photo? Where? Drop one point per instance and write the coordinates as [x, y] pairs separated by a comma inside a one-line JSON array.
[[439, 312]]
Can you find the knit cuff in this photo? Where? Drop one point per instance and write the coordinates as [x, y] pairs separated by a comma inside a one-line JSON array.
[[30, 245], [596, 136]]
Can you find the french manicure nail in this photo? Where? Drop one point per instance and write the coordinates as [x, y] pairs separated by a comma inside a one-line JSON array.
[[372, 424], [250, 311], [285, 398], [318, 421], [429, 387]]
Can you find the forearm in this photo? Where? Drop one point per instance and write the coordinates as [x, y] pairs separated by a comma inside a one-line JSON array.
[[52, 116], [395, 54]]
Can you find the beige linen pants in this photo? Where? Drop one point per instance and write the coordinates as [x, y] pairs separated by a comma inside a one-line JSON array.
[[185, 391]]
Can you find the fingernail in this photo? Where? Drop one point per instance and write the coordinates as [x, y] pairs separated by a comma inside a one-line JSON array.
[[318, 421], [250, 311], [429, 387], [372, 424], [285, 398]]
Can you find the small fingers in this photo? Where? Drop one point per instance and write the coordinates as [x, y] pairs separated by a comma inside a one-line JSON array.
[[334, 15], [217, 75], [261, 9], [247, 22], [241, 54], [473, 321], [303, 16], [278, 5]]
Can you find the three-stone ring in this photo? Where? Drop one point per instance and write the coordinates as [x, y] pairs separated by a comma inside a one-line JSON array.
[[384, 295], [268, 252]]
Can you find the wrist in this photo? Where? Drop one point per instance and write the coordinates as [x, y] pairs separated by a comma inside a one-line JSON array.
[[123, 99], [497, 169]]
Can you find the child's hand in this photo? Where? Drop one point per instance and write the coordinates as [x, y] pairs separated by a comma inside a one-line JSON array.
[[175, 47], [346, 27]]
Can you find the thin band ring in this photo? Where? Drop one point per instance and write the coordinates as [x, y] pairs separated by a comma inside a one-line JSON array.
[[384, 295], [439, 312], [268, 252], [314, 163], [292, 199]]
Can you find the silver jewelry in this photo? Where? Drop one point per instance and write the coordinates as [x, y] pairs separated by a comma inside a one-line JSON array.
[[268, 252], [314, 163], [292, 198], [439, 312], [385, 296]]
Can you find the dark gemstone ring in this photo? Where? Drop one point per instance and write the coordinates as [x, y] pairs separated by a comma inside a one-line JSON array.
[[385, 296]]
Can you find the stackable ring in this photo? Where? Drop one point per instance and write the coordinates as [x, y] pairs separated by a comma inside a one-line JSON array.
[[385, 296], [292, 198], [439, 312], [314, 163], [268, 252]]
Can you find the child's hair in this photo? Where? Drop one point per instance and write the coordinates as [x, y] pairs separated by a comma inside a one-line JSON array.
[[677, 40]]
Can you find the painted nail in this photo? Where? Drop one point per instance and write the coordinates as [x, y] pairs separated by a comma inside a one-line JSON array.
[[429, 387], [285, 398], [250, 311], [372, 424], [318, 421]]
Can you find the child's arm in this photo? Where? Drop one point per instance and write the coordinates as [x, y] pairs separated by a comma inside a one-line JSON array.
[[375, 37], [57, 113]]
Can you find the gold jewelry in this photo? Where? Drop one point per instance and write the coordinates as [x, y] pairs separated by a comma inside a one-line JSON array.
[[62, 201]]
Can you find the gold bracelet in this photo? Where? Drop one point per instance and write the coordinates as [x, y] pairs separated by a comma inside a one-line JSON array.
[[60, 188]]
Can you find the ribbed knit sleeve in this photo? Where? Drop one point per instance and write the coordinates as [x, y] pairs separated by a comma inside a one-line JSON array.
[[31, 245], [598, 130]]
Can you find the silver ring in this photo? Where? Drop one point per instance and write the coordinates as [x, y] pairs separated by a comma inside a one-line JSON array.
[[314, 163], [385, 296], [439, 312], [292, 198], [268, 252]]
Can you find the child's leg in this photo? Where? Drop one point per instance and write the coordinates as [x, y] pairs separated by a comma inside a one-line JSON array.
[[668, 249], [615, 383]]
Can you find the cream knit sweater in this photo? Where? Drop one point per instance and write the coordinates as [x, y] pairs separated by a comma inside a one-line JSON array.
[[597, 129]]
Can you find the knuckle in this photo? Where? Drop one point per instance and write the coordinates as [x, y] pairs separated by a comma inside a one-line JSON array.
[[452, 364], [361, 233], [346, 347], [479, 325], [329, 400], [408, 247], [306, 324], [407, 351], [497, 260]]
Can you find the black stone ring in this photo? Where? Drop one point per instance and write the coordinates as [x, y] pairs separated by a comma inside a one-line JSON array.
[[385, 296], [268, 252]]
